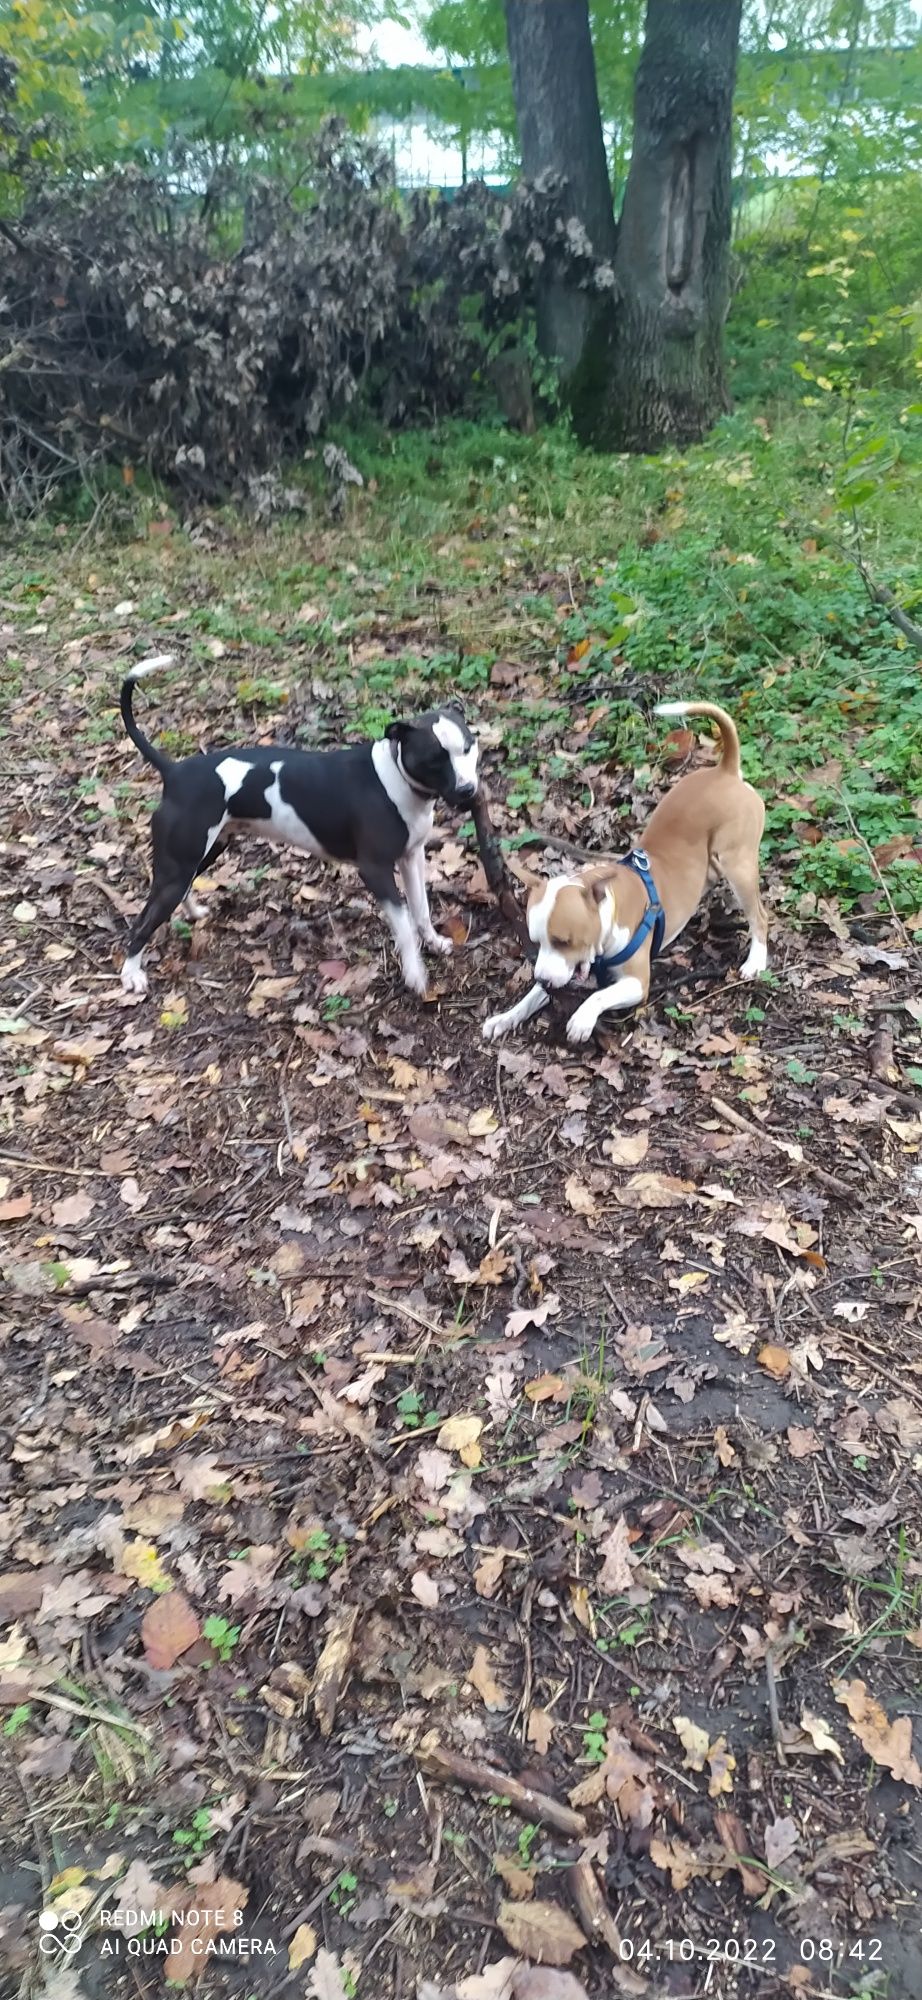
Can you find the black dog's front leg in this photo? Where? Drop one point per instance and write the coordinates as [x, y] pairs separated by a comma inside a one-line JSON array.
[[379, 877]]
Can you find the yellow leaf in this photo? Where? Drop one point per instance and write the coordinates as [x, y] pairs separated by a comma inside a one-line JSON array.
[[176, 1011], [142, 1561], [459, 1434], [302, 1947], [694, 1741], [483, 1121], [69, 1878]]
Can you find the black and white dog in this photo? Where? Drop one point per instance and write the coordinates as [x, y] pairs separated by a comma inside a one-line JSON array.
[[372, 804]]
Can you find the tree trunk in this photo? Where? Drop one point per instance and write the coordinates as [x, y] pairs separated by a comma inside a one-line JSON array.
[[560, 129], [654, 374]]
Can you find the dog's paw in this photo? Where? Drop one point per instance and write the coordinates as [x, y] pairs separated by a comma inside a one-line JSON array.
[[438, 942], [581, 1024], [414, 976], [134, 977], [194, 908], [756, 963], [495, 1027]]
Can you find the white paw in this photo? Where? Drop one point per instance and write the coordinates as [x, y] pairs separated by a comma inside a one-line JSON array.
[[756, 962], [134, 977], [494, 1027], [414, 976], [581, 1024], [437, 941]]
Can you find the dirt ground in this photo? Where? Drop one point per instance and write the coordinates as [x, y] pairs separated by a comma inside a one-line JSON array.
[[395, 1424]]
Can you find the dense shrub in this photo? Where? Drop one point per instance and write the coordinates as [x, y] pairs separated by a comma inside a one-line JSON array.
[[211, 339]]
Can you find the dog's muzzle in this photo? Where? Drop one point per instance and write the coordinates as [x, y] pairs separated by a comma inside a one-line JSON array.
[[461, 795]]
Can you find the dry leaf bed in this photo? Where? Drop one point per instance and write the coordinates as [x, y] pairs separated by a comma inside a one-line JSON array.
[[366, 1390]]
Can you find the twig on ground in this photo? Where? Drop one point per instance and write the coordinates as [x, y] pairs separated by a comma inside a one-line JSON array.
[[877, 872], [731, 1116], [772, 1691], [880, 593], [883, 1067], [600, 1926], [439, 1762]]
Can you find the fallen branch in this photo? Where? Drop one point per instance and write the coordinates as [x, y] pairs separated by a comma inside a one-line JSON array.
[[499, 880], [600, 1927], [731, 1116], [438, 1762], [879, 593]]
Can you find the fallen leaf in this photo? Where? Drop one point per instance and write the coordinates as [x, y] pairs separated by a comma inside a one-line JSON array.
[[525, 1316], [775, 1360], [480, 1676], [333, 1666], [541, 1982], [695, 1741], [887, 1743], [680, 1861], [326, 1980], [168, 1628], [626, 1149], [16, 1209], [618, 1565], [200, 1478], [817, 1735], [483, 1121], [141, 1560], [540, 1730], [802, 1441], [781, 1838], [546, 1389], [425, 1589], [493, 1983], [540, 1931], [519, 1881], [708, 1557], [734, 1839], [74, 1209], [302, 1947], [579, 1197], [488, 1573], [722, 1765], [460, 1434], [653, 1190]]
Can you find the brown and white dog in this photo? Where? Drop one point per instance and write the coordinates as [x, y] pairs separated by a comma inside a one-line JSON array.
[[706, 830]]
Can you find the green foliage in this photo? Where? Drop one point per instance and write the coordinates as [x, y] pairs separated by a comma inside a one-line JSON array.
[[194, 1839], [740, 601], [594, 1735], [222, 1636]]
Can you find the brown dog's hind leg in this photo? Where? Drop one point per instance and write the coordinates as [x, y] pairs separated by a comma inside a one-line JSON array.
[[739, 868]]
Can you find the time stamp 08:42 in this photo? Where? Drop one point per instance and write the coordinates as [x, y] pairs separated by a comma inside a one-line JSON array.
[[760, 1955]]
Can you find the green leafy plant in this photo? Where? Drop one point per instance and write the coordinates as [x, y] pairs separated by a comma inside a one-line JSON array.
[[194, 1839], [221, 1636], [594, 1735]]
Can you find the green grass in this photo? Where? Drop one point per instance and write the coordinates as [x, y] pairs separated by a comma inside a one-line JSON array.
[[611, 582]]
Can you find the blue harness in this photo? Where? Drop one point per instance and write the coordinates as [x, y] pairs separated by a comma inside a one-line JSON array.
[[653, 919]]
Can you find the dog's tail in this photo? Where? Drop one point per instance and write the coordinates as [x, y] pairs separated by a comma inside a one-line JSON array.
[[729, 740], [149, 751]]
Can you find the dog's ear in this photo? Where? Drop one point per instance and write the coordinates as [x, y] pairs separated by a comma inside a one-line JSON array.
[[455, 707], [397, 732], [596, 884]]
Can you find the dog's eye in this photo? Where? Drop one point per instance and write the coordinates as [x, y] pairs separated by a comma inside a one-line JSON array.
[[557, 943]]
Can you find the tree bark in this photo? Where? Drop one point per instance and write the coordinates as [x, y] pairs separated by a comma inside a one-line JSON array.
[[653, 375], [560, 129]]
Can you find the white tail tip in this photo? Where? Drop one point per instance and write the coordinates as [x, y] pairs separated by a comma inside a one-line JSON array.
[[151, 666], [670, 708]]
